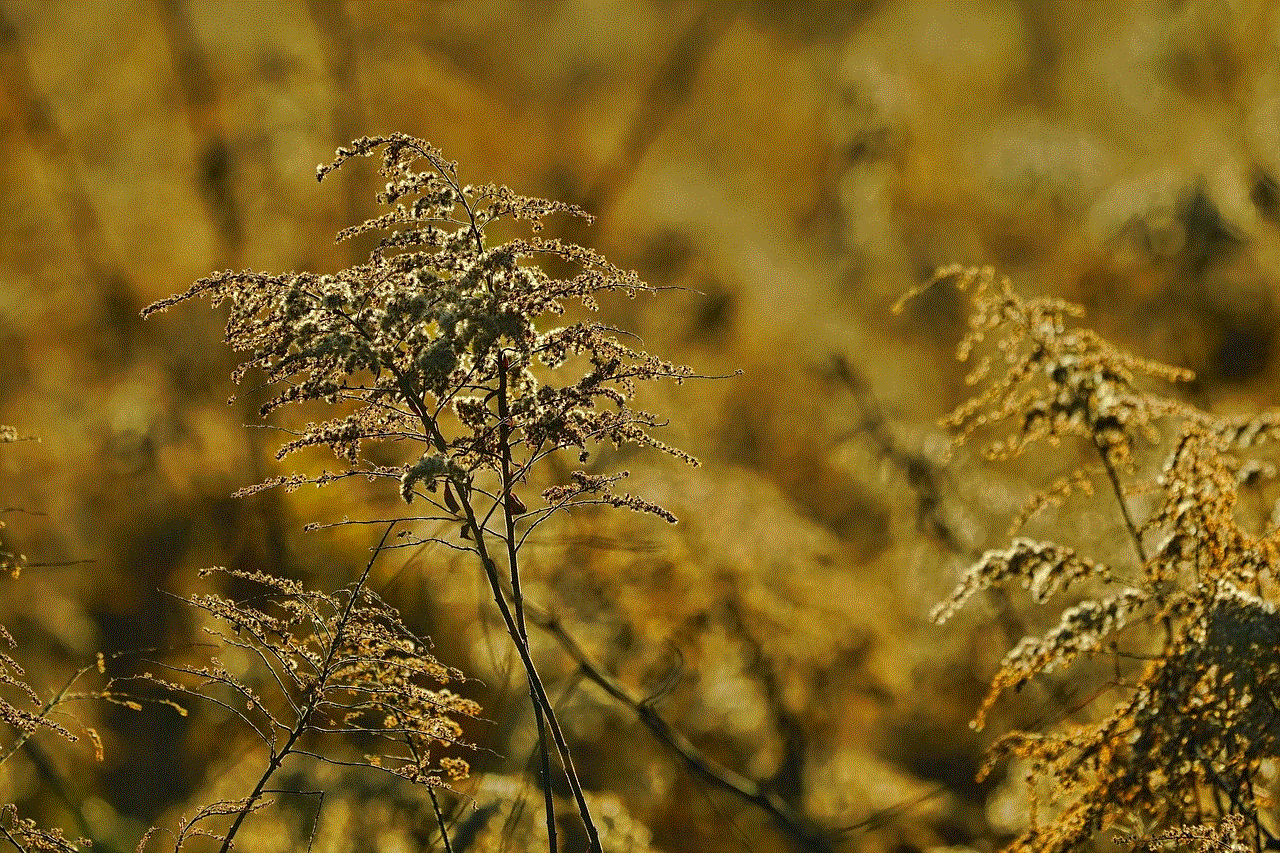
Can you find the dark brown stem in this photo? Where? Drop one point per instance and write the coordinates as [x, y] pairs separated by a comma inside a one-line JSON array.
[[798, 828], [1114, 477], [1141, 550], [477, 530], [535, 681], [444, 829], [277, 759], [517, 595]]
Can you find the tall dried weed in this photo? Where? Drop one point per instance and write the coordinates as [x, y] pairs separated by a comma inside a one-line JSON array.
[[1172, 643], [443, 348]]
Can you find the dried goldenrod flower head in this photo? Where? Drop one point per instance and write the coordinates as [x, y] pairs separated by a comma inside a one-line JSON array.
[[1227, 836], [23, 721], [323, 664], [1184, 636], [420, 340], [334, 663], [25, 835], [1057, 381]]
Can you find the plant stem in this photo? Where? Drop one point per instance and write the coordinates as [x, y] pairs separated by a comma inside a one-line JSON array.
[[472, 523], [277, 759], [517, 595], [1114, 477], [799, 828], [444, 829], [535, 681]]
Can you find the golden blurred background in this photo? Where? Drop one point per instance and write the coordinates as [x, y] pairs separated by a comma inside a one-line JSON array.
[[796, 167]]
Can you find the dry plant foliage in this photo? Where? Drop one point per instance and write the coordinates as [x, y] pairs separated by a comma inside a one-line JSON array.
[[29, 716], [328, 664], [21, 720], [434, 342], [1179, 731], [25, 835], [1225, 837], [444, 350], [442, 346]]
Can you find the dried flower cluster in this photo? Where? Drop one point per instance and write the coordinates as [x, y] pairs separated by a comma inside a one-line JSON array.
[[347, 662], [23, 721], [1226, 837], [19, 719], [29, 716], [438, 330], [1188, 631], [327, 664], [25, 835], [33, 716]]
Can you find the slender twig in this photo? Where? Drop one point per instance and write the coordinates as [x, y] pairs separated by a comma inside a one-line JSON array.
[[440, 821], [517, 595], [1114, 477], [478, 531], [535, 680], [799, 828], [879, 815]]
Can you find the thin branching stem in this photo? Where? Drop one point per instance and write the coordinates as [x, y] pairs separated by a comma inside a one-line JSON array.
[[518, 638], [507, 499], [421, 338], [1114, 477], [797, 827], [535, 680], [440, 821]]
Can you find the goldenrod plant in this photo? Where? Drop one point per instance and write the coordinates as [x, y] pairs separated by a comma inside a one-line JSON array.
[[1168, 631], [442, 346]]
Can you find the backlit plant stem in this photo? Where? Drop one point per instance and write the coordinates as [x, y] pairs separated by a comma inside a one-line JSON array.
[[517, 594], [518, 636]]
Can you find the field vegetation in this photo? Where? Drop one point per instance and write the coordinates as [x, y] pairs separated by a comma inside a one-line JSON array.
[[427, 538]]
